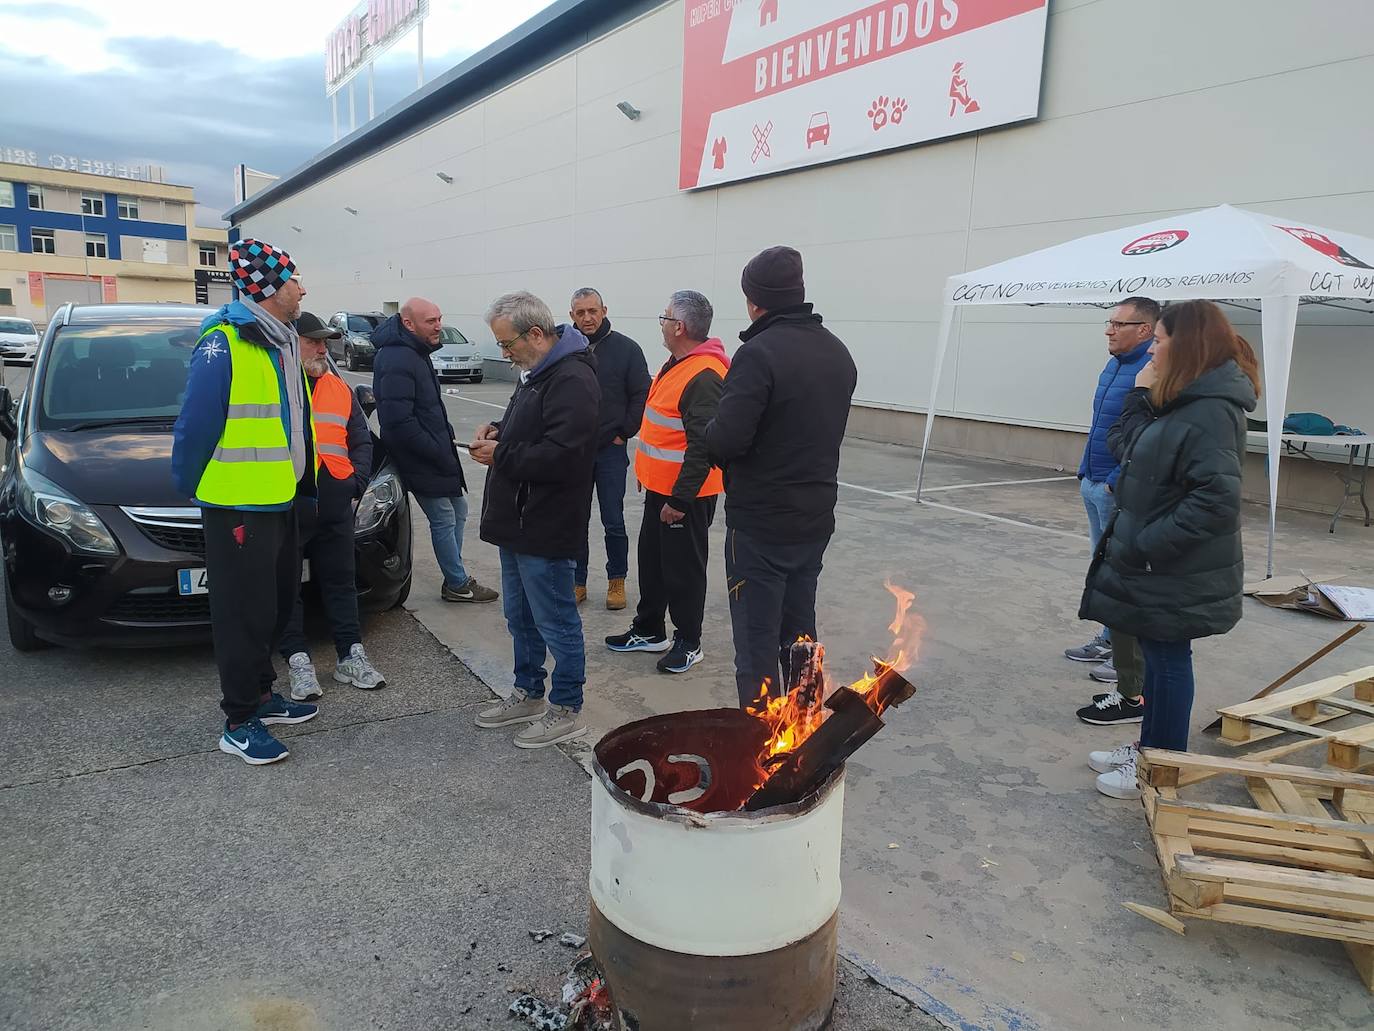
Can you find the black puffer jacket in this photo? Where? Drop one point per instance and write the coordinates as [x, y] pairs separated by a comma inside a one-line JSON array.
[[1170, 565], [623, 373], [411, 413], [778, 429], [538, 496]]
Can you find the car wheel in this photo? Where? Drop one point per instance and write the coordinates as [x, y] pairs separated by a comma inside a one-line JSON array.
[[350, 359], [22, 634], [405, 593]]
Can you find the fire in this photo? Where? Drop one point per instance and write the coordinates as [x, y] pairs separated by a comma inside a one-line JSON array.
[[795, 716]]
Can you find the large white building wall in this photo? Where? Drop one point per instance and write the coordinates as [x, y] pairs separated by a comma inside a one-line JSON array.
[[1149, 107]]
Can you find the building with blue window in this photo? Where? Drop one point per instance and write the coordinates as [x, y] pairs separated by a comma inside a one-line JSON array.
[[75, 236]]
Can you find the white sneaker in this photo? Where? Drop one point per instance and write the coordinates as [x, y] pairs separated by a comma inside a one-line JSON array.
[[1105, 762], [1120, 782], [358, 671], [304, 684]]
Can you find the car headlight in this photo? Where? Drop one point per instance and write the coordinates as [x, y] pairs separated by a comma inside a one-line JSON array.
[[48, 506], [379, 500]]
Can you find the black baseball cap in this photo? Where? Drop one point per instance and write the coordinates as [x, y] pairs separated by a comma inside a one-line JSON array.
[[309, 325]]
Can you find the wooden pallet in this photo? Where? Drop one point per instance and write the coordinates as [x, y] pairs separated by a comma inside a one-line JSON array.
[[1303, 710], [1291, 865]]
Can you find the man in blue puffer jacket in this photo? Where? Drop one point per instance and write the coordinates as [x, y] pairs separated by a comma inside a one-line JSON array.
[[1130, 333]]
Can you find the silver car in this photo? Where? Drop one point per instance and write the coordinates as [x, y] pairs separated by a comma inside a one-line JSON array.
[[18, 339], [457, 357]]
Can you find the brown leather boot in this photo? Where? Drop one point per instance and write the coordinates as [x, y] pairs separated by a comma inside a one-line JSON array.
[[580, 593], [615, 594]]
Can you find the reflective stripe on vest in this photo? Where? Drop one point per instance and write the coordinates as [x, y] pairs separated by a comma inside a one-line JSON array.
[[252, 463], [662, 446], [331, 402]]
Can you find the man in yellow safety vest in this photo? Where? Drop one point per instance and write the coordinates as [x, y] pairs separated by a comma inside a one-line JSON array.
[[680, 487], [242, 450]]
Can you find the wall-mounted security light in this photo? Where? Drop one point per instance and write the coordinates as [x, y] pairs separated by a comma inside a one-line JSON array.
[[444, 176], [351, 211], [629, 110]]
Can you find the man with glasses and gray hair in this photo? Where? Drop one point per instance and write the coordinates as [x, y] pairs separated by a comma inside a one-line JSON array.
[[1130, 331], [680, 487], [535, 508]]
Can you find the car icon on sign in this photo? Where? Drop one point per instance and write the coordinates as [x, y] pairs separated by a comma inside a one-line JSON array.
[[819, 129]]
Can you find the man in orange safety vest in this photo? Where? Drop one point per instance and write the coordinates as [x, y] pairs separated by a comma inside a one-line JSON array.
[[343, 464], [680, 487]]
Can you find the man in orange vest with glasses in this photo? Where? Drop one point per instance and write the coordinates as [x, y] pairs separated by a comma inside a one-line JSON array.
[[343, 463], [680, 487]]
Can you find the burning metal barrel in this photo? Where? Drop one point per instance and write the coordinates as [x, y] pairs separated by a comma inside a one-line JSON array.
[[705, 915]]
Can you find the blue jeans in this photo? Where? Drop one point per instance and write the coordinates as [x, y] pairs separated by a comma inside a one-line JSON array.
[[1100, 503], [609, 481], [447, 518], [1168, 694], [537, 594]]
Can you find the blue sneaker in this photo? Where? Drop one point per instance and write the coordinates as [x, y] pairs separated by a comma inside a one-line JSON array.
[[278, 710], [253, 743]]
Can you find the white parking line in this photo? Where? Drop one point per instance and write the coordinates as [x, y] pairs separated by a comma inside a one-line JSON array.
[[990, 483], [462, 397], [963, 511]]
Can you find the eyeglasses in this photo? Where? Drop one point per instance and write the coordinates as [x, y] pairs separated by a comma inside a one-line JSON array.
[[1116, 324], [506, 345], [667, 318]]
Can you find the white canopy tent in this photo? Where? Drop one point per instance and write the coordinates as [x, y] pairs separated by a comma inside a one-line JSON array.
[[1219, 254]]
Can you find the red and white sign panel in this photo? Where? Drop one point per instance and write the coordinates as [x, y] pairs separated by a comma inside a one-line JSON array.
[[769, 85]]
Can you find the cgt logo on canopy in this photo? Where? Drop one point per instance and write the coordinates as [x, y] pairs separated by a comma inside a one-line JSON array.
[[1160, 241], [1323, 244]]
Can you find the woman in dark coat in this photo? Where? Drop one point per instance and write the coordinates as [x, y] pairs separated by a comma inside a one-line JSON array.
[[1169, 567]]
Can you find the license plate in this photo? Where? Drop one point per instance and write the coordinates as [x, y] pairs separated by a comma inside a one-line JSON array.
[[195, 581]]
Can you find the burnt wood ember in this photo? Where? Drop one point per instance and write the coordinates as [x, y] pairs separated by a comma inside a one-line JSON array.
[[853, 720], [891, 689], [806, 674]]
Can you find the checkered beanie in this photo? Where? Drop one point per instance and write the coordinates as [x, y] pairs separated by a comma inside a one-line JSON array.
[[259, 269]]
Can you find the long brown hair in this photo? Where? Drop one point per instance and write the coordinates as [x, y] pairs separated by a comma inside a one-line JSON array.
[[1200, 339]]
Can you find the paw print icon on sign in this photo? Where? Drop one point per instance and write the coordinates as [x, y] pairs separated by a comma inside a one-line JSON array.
[[878, 112], [887, 111]]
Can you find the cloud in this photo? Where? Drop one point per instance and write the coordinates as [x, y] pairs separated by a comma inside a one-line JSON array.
[[195, 105], [197, 109], [54, 12]]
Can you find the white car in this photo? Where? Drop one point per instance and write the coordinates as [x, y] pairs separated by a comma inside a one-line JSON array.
[[457, 357], [18, 339]]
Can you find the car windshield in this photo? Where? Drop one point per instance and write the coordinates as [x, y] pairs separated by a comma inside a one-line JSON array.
[[17, 326], [363, 324], [127, 372], [450, 335]]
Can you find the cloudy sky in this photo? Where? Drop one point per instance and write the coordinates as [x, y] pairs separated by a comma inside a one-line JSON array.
[[199, 87]]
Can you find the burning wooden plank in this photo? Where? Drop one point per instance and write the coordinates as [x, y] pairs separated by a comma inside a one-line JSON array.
[[852, 721]]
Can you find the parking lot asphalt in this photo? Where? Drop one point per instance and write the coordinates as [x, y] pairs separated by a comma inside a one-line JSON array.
[[386, 875]]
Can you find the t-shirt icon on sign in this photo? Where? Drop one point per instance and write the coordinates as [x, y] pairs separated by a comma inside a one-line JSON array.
[[718, 152]]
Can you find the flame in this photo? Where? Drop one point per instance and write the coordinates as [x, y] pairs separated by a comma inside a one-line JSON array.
[[791, 720]]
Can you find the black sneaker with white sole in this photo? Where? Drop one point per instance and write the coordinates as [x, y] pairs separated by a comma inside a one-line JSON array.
[[633, 641], [682, 658], [1112, 709]]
